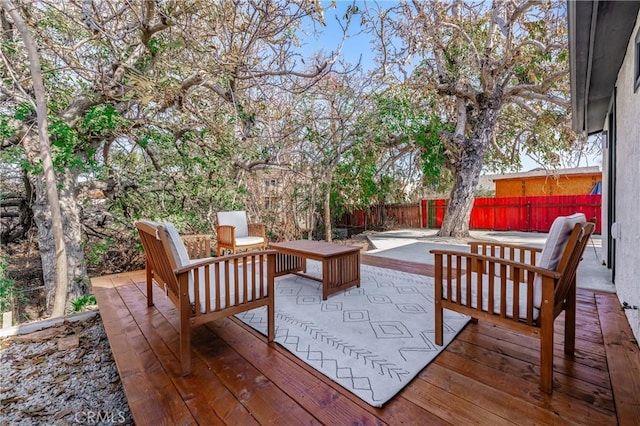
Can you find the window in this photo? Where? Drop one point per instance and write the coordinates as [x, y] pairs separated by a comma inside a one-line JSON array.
[[636, 60]]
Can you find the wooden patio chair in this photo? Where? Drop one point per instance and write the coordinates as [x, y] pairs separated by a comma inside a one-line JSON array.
[[510, 286], [198, 246], [207, 289], [235, 233]]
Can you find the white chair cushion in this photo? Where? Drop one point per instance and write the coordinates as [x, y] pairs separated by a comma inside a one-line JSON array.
[[522, 306], [177, 246], [553, 247], [237, 219], [245, 241]]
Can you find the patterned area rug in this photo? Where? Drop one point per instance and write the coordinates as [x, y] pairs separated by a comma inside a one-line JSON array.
[[372, 340]]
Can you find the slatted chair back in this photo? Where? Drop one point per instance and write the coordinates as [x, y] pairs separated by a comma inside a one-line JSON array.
[[158, 260], [568, 265], [198, 246]]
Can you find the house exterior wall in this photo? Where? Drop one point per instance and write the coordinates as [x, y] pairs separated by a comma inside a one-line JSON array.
[[547, 185], [605, 199], [627, 186]]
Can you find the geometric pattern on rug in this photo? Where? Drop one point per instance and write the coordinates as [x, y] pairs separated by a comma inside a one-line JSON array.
[[371, 340]]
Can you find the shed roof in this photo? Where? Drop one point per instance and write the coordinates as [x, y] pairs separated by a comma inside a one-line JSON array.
[[545, 172]]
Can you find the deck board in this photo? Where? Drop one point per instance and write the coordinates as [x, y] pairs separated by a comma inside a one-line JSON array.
[[487, 375], [624, 362]]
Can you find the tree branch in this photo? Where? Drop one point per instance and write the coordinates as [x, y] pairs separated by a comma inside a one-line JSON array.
[[258, 74]]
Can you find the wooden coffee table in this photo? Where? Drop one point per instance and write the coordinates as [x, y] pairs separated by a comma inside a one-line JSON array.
[[340, 263]]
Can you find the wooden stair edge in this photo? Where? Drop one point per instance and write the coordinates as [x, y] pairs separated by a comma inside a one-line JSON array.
[[145, 408], [623, 357]]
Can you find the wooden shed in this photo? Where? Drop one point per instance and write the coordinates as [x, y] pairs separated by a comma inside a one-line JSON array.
[[578, 181]]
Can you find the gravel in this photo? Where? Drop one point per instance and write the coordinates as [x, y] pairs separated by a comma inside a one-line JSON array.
[[63, 375]]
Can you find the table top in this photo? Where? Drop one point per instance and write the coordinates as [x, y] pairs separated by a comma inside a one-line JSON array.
[[321, 248]]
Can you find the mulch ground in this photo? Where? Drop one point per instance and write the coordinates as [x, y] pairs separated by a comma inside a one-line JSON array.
[[61, 375]]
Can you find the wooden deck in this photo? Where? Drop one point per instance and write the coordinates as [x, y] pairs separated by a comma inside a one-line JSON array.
[[487, 375]]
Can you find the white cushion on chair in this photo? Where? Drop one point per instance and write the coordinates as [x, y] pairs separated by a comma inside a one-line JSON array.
[[246, 241], [177, 246], [237, 219], [554, 246]]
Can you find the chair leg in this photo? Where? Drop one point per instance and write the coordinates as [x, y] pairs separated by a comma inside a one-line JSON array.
[[271, 321], [546, 355], [185, 339], [149, 285], [570, 321], [439, 323], [438, 300]]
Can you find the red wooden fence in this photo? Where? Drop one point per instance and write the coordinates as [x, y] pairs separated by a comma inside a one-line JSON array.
[[521, 213], [500, 214]]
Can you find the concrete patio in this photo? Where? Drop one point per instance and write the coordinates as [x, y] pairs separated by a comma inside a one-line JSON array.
[[414, 245]]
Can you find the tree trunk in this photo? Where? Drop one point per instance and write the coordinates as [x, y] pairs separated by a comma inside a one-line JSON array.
[[76, 277], [60, 299], [327, 209], [311, 212], [467, 174], [458, 214]]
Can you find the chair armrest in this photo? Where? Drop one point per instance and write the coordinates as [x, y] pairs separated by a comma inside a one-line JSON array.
[[256, 230], [213, 260], [226, 234], [474, 258]]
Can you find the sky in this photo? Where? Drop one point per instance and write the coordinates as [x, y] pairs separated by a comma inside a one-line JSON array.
[[357, 45]]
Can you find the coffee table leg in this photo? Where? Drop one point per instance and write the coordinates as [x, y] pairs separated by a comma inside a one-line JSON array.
[[325, 278]]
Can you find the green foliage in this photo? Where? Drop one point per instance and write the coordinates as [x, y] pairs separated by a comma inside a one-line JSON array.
[[429, 141], [8, 290], [154, 46], [23, 111], [9, 47], [400, 117], [355, 184], [94, 254], [6, 130], [81, 303], [188, 180], [375, 170], [68, 147], [351, 10], [103, 118]]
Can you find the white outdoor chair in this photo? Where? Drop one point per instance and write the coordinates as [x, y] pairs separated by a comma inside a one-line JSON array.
[[234, 233]]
